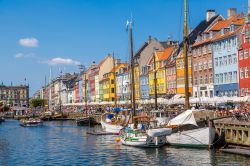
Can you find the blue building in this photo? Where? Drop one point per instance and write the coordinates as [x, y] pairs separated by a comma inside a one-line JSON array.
[[225, 60], [144, 84]]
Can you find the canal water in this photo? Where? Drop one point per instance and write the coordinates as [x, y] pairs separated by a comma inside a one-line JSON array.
[[64, 143]]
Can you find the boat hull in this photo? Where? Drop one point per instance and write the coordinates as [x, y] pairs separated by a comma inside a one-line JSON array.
[[146, 142], [111, 128], [86, 121], [196, 138], [31, 124]]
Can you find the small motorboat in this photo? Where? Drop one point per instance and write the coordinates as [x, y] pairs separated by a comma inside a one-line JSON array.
[[86, 121], [31, 122]]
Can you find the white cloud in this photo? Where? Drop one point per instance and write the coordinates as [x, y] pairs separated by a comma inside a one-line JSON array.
[[29, 42], [62, 61], [22, 55]]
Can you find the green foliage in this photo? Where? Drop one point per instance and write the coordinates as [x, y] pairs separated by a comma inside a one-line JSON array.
[[37, 102]]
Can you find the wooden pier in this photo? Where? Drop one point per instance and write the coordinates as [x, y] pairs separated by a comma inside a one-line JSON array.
[[236, 132]]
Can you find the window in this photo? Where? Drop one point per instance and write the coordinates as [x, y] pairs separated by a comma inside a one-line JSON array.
[[195, 67], [230, 59], [225, 77], [205, 65], [194, 53], [199, 51], [241, 55], [235, 76], [246, 72], [195, 80], [210, 64], [247, 91], [221, 78], [216, 78], [242, 91], [246, 54], [216, 62], [225, 60], [209, 48], [206, 95], [206, 79], [230, 76], [220, 61], [241, 73], [235, 59], [200, 66], [211, 78], [204, 49], [201, 80]]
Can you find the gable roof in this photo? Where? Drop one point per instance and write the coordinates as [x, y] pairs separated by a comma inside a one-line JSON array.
[[201, 27], [162, 55]]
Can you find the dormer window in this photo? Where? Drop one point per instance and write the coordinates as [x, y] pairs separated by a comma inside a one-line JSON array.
[[211, 34], [222, 31], [232, 27]]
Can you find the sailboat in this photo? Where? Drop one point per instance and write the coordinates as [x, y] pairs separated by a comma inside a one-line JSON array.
[[138, 133], [186, 131]]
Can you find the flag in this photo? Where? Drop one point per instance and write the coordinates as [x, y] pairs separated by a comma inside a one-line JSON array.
[[127, 24]]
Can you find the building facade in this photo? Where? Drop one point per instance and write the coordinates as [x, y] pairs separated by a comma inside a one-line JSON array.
[[14, 95], [244, 61], [225, 57]]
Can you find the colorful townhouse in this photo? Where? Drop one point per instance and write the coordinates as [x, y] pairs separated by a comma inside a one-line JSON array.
[[160, 62], [202, 58], [108, 82], [141, 69], [171, 74], [92, 81], [244, 59], [104, 67], [225, 55], [123, 84], [199, 29]]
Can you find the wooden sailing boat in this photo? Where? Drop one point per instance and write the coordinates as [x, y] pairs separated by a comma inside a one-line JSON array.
[[187, 132], [136, 134]]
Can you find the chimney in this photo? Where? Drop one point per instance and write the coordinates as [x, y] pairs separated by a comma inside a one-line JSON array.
[[231, 12], [210, 14], [149, 38]]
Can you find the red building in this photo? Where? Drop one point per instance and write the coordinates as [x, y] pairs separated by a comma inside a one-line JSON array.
[[244, 61]]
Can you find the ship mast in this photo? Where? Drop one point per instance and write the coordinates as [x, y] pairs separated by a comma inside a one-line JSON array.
[[155, 79], [115, 97], [132, 68], [185, 54]]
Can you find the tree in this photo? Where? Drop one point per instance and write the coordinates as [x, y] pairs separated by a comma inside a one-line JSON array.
[[37, 102]]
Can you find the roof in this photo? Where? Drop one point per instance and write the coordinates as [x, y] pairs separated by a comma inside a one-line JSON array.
[[227, 34], [236, 20], [199, 29], [118, 66], [162, 55]]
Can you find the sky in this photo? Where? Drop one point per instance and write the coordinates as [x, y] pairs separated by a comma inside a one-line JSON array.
[[36, 35]]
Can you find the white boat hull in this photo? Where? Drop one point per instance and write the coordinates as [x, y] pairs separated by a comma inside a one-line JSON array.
[[152, 137], [202, 137], [111, 128], [145, 142]]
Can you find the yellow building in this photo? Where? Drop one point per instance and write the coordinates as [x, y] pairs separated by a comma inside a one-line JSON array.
[[180, 74], [137, 82], [160, 61], [108, 83]]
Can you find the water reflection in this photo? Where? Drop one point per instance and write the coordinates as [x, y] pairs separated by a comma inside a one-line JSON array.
[[63, 143]]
